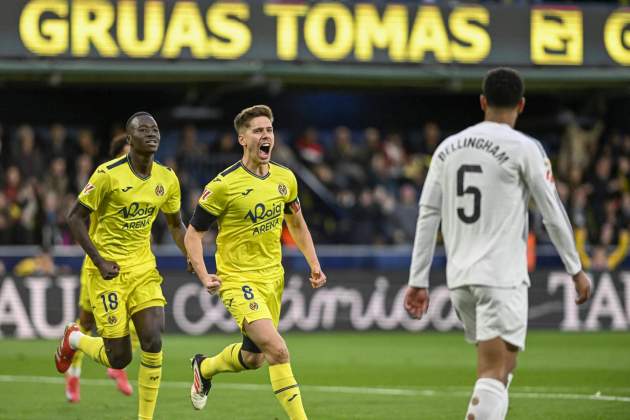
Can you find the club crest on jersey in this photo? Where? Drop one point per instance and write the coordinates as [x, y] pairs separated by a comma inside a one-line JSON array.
[[206, 193], [88, 188], [253, 306], [159, 190], [111, 319], [282, 189]]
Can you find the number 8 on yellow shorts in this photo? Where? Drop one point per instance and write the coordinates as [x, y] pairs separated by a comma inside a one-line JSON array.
[[115, 301], [251, 300]]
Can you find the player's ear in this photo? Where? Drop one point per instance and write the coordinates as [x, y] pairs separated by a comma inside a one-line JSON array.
[[241, 139], [128, 138], [521, 105], [483, 102]]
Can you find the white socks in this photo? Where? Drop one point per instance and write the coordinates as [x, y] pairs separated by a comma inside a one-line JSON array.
[[489, 400], [74, 371], [74, 338]]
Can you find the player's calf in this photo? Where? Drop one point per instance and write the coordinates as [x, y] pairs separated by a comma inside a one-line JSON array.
[[252, 360]]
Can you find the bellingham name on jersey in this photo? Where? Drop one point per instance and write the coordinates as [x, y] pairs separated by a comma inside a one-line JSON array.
[[474, 143]]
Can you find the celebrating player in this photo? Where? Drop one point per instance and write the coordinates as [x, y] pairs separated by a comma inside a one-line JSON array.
[[478, 186], [119, 147], [249, 200], [125, 195]]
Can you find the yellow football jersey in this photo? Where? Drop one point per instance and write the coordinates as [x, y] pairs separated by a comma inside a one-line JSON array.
[[250, 210], [124, 207]]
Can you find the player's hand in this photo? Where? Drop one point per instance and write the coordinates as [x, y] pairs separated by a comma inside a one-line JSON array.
[[416, 301], [317, 278], [582, 287], [108, 269], [212, 283]]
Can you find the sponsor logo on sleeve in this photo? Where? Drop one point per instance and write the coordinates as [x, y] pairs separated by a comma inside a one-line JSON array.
[[88, 188], [206, 193]]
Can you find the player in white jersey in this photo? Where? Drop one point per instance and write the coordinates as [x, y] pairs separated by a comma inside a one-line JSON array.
[[479, 185]]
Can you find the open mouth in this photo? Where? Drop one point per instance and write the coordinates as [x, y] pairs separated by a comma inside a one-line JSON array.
[[265, 150]]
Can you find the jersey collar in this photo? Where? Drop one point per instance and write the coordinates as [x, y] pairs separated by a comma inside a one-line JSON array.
[[253, 174], [137, 174]]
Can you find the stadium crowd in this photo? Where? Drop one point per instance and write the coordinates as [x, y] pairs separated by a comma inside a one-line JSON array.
[[358, 186]]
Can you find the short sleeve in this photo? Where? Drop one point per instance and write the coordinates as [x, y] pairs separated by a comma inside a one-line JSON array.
[[173, 202], [292, 203], [293, 188], [213, 199], [95, 190]]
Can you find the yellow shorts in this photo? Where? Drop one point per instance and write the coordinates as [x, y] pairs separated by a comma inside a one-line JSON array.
[[247, 298], [84, 296], [114, 301]]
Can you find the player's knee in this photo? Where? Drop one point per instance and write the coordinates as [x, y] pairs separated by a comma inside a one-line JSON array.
[[151, 343], [118, 358], [253, 360], [277, 353]]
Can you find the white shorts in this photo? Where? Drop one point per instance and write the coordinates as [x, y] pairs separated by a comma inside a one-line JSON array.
[[490, 312]]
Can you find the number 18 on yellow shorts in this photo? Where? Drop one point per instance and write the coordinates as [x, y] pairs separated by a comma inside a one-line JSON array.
[[115, 301]]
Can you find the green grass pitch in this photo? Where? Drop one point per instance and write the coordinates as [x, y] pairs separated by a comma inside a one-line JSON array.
[[393, 375]]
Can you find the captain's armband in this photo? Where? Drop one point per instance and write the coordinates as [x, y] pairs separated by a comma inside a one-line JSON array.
[[293, 207], [201, 219]]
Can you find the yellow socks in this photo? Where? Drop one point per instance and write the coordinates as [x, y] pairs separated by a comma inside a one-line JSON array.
[[229, 360], [77, 360], [149, 377], [94, 347], [287, 390]]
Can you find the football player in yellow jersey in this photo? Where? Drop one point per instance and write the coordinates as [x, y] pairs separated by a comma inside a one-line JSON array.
[[118, 148], [125, 194], [250, 200]]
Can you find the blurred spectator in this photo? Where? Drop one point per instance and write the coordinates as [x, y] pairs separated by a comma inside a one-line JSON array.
[[87, 144], [118, 146], [40, 264], [57, 179], [191, 155], [309, 148], [579, 143], [405, 215], [224, 152], [26, 156], [85, 166]]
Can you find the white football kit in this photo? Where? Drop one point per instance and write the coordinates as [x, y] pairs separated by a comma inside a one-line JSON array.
[[479, 184]]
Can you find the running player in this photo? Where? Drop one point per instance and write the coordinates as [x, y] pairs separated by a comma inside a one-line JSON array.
[[118, 148], [478, 186], [250, 200], [122, 279]]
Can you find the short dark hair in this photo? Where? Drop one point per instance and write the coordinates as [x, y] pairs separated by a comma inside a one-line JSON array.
[[245, 116], [135, 115], [503, 87], [117, 145]]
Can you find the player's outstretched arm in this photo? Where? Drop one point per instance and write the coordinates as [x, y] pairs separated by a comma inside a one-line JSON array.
[[194, 249], [78, 219], [302, 237]]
